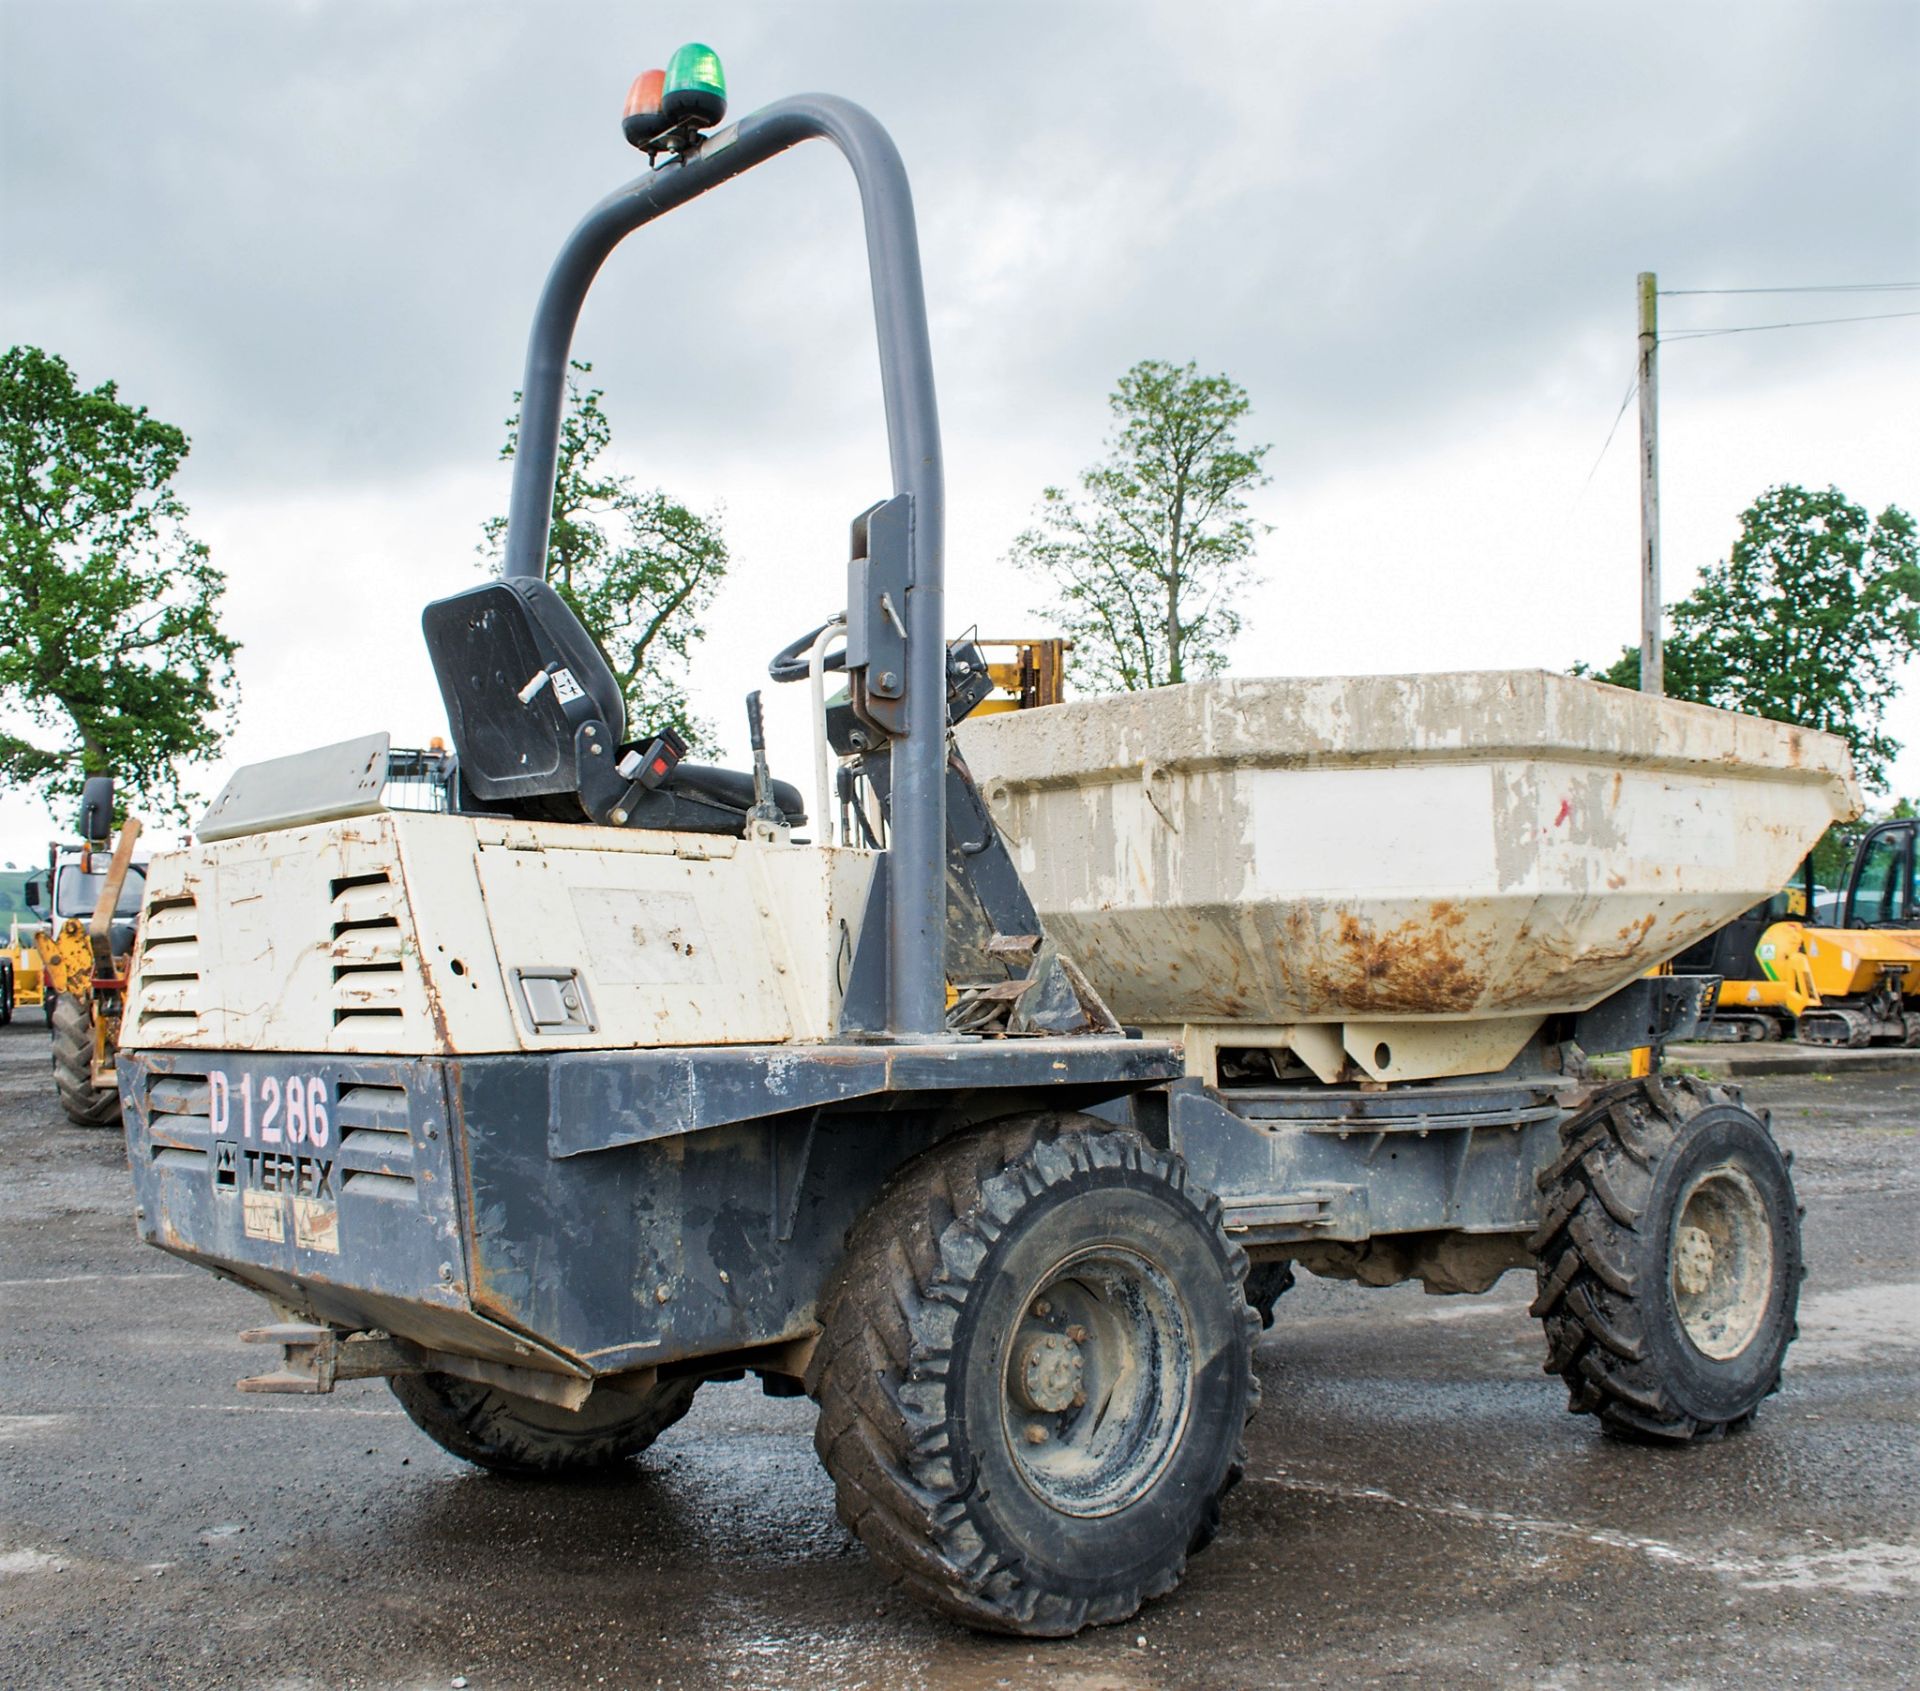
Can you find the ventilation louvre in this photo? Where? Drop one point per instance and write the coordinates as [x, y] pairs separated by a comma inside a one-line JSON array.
[[373, 1124], [366, 948], [170, 961]]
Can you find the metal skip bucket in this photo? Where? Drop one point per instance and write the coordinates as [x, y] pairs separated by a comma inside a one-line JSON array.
[[1452, 857]]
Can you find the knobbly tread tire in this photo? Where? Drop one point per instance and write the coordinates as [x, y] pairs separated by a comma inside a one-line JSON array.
[[525, 1439], [1604, 1294], [86, 1105], [881, 1372]]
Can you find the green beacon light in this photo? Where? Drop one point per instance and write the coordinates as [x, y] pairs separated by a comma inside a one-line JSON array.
[[696, 87]]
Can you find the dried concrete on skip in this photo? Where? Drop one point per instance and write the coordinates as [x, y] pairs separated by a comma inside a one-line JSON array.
[[1418, 1506]]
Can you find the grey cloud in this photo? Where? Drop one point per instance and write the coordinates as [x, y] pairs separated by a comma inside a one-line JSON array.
[[312, 234]]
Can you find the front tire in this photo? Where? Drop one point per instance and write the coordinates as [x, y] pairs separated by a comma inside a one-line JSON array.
[[1035, 1375], [1669, 1261], [528, 1439], [86, 1105]]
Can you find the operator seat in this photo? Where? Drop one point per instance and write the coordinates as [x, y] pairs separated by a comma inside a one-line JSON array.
[[539, 727]]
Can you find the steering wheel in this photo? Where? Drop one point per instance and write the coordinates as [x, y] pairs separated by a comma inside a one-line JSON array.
[[790, 662]]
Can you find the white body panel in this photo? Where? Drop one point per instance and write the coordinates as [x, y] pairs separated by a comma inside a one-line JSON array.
[[1381, 850], [400, 933]]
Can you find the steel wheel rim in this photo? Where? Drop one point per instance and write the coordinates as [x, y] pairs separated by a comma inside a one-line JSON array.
[[1097, 1381], [1721, 1267]]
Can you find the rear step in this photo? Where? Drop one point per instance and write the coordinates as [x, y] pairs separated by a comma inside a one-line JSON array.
[[314, 1357]]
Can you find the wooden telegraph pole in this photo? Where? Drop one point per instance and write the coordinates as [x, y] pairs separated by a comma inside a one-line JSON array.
[[1641, 1058], [1652, 678]]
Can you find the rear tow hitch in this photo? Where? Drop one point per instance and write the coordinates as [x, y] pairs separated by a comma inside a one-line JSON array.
[[313, 1357]]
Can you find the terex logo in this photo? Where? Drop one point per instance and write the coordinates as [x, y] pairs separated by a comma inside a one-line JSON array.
[[279, 1171]]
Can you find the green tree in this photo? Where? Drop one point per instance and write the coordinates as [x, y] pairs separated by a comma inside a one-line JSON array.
[[1808, 620], [109, 610], [639, 569], [1149, 559]]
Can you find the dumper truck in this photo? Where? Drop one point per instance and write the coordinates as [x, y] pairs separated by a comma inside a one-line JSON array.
[[1840, 981], [963, 1109]]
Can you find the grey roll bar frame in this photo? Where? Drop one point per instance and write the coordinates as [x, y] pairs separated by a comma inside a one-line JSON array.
[[916, 880]]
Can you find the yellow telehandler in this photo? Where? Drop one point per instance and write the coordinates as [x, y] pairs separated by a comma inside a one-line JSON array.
[[85, 951]]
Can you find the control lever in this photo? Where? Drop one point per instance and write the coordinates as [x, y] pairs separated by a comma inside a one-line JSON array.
[[765, 815]]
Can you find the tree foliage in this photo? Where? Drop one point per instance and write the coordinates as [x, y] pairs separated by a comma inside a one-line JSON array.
[[109, 610], [639, 569], [1808, 620], [1149, 558]]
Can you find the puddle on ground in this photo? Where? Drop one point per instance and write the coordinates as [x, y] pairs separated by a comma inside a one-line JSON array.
[[1861, 1325], [1873, 1569]]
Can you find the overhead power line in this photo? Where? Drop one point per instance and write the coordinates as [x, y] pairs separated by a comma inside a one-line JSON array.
[[1566, 522], [1827, 288], [1803, 323], [1633, 387]]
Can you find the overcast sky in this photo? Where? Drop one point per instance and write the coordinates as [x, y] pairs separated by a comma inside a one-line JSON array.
[[312, 234]]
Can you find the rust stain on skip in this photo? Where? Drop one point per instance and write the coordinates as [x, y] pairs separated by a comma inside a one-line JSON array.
[[1416, 966], [1562, 966]]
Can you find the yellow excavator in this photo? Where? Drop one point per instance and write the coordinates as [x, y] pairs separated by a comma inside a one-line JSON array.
[[1829, 976]]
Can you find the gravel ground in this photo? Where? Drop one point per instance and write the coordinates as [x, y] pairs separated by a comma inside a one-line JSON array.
[[1419, 1509]]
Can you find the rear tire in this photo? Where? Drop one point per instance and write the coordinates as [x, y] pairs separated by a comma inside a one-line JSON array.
[[528, 1439], [1035, 1375], [1669, 1261], [86, 1105]]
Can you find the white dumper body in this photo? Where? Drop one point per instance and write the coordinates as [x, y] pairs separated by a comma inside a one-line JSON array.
[[1406, 874]]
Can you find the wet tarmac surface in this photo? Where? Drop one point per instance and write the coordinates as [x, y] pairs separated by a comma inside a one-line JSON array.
[[1419, 1509]]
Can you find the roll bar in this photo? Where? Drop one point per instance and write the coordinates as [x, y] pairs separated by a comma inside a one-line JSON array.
[[916, 867]]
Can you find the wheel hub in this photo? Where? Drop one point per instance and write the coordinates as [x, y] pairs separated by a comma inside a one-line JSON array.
[[1721, 1267], [1097, 1381], [1052, 1371], [1692, 1261]]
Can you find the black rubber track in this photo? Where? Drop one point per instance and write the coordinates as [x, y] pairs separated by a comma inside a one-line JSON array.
[[520, 1436], [881, 1371], [1602, 1268], [86, 1105]]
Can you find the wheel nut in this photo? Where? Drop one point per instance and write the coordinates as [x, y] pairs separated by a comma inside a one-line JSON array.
[[1036, 1434], [1077, 1333], [1042, 1309]]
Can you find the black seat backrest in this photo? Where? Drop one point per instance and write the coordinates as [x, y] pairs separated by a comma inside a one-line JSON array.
[[488, 645]]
